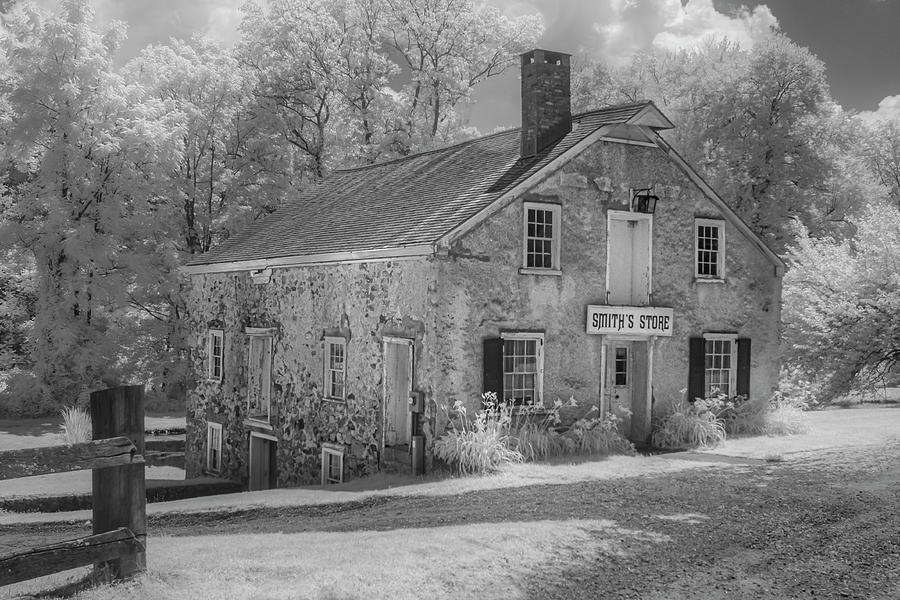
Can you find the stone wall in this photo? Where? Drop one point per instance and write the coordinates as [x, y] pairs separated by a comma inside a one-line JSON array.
[[362, 302], [484, 293]]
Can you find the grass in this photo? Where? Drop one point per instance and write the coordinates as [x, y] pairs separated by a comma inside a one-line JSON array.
[[688, 425], [77, 426], [480, 561]]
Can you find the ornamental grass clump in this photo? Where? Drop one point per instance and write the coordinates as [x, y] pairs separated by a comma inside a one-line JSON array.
[[481, 444], [77, 427], [690, 425], [502, 433]]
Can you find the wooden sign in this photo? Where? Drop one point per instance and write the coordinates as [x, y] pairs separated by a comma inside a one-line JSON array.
[[603, 319]]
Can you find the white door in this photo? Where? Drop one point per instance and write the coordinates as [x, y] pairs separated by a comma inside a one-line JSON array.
[[620, 376], [398, 369], [628, 259]]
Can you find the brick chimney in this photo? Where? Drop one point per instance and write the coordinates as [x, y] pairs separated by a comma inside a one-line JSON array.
[[546, 99]]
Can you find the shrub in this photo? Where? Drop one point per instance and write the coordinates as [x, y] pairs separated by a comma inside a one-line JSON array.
[[479, 445], [599, 435], [776, 416], [502, 433], [77, 427], [21, 396], [689, 425]]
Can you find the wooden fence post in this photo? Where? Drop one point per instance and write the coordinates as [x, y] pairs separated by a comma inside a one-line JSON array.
[[120, 498]]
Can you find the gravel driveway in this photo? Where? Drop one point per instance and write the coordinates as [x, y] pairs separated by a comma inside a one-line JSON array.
[[822, 524]]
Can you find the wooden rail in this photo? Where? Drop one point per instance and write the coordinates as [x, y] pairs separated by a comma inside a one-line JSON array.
[[68, 555], [119, 495], [97, 454]]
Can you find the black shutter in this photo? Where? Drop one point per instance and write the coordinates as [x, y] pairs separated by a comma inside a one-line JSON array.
[[696, 369], [743, 367], [492, 379]]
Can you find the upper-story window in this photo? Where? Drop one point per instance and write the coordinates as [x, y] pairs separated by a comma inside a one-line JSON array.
[[543, 225], [215, 354], [335, 368], [259, 374], [709, 245]]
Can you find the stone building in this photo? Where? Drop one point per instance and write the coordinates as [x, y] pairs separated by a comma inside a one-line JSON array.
[[577, 256]]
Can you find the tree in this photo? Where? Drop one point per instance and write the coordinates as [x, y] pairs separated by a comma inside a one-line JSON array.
[[90, 151], [842, 303], [448, 47], [882, 150], [759, 124], [328, 84]]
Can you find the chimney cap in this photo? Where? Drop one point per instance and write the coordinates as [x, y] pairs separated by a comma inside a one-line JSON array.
[[547, 55]]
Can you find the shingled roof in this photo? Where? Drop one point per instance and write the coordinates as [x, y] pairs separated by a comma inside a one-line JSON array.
[[413, 201]]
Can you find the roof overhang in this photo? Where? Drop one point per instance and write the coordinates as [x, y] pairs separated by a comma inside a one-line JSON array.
[[652, 117], [284, 262]]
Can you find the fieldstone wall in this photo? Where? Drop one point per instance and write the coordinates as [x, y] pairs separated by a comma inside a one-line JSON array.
[[362, 303]]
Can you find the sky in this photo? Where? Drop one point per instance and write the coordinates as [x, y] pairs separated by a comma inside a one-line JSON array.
[[856, 39]]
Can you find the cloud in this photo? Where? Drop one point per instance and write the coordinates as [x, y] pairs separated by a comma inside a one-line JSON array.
[[888, 110], [698, 20], [613, 30]]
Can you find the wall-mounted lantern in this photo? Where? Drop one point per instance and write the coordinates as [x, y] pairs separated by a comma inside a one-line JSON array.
[[643, 201]]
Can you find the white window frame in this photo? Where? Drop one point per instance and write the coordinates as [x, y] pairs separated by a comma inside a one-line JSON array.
[[538, 337], [213, 441], [719, 224], [732, 370], [268, 335], [555, 238], [213, 336], [332, 452], [328, 391]]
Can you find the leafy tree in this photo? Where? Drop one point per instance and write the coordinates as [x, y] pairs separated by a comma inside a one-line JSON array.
[[17, 302], [91, 151], [842, 303], [759, 123], [328, 84], [882, 150], [448, 47]]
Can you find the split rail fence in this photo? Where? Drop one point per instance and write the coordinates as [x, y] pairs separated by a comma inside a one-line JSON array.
[[117, 548]]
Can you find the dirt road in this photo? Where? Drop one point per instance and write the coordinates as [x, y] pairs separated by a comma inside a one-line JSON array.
[[827, 526], [821, 523]]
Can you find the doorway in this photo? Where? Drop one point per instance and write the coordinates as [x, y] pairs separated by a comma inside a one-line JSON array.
[[628, 258], [398, 370], [263, 470], [627, 387]]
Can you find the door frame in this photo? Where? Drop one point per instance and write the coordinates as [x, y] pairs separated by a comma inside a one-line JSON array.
[[410, 350], [627, 215], [268, 438], [607, 363]]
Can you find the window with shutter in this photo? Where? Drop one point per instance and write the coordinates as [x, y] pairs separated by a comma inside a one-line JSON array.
[[514, 367]]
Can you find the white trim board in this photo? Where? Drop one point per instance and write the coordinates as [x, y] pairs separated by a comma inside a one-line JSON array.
[[311, 260]]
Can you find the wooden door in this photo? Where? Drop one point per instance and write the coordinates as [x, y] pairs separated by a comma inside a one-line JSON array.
[[262, 463], [397, 386], [628, 251]]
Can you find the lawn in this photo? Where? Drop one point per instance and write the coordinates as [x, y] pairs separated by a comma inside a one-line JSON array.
[[815, 523]]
